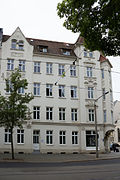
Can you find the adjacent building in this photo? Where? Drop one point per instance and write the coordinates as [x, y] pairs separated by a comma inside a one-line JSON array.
[[65, 80]]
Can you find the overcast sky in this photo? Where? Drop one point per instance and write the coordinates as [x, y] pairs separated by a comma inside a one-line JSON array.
[[38, 19]]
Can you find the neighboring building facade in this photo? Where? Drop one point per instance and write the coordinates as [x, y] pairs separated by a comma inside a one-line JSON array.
[[117, 121], [65, 80]]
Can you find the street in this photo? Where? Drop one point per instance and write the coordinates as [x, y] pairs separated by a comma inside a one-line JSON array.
[[87, 170]]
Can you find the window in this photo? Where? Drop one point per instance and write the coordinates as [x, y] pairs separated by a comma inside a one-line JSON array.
[[21, 90], [62, 137], [91, 54], [10, 65], [61, 113], [20, 136], [49, 89], [73, 92], [111, 97], [112, 116], [102, 73], [49, 68], [85, 53], [66, 52], [103, 91], [91, 115], [7, 136], [13, 43], [74, 137], [89, 71], [37, 89], [36, 112], [49, 113], [61, 91], [9, 86], [49, 137], [74, 114], [90, 139], [22, 65], [72, 70], [105, 115], [36, 134], [21, 45], [61, 69], [36, 67], [43, 49], [90, 92], [118, 132]]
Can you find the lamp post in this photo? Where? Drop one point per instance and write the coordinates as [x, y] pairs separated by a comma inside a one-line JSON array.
[[96, 132]]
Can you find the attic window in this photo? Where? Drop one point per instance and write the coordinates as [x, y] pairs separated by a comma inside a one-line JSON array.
[[13, 43], [66, 52], [21, 45], [43, 49]]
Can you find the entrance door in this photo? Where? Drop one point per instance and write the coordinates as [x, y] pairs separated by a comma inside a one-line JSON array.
[[36, 140]]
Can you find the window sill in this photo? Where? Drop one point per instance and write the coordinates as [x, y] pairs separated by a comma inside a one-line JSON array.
[[16, 49], [49, 97], [62, 97], [37, 72], [72, 98]]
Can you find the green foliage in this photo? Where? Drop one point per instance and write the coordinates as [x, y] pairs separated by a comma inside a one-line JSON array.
[[98, 21], [13, 108]]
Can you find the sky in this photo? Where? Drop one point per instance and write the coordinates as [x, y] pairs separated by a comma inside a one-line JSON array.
[[38, 19]]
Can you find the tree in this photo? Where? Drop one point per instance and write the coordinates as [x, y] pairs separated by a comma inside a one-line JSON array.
[[13, 108], [98, 21]]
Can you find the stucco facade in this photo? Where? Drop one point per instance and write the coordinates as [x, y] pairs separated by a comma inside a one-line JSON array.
[[65, 80]]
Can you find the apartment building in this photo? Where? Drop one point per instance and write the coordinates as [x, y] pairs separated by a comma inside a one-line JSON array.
[[65, 80]]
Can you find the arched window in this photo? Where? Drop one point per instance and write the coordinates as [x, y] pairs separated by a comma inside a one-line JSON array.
[[13, 43], [21, 45]]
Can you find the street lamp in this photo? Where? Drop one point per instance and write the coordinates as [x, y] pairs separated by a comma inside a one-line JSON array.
[[96, 132]]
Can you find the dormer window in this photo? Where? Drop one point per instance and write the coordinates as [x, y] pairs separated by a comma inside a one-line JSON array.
[[20, 45], [43, 49], [14, 44], [66, 52]]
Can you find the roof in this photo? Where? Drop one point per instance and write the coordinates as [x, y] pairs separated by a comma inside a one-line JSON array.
[[104, 59], [53, 47]]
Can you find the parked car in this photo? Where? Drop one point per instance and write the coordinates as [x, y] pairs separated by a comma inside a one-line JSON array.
[[114, 147]]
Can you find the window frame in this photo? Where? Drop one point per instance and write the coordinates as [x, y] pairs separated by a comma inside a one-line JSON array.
[[36, 67], [49, 113], [74, 92], [10, 65], [49, 137], [49, 68], [36, 90], [36, 112], [62, 137], [20, 136], [90, 92], [74, 114], [62, 114], [74, 137], [61, 89], [49, 90]]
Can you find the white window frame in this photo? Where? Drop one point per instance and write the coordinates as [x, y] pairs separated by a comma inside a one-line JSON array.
[[21, 90], [61, 91], [21, 45], [36, 112], [13, 44], [61, 69], [62, 114], [10, 65], [89, 71], [91, 115], [73, 70], [102, 73], [36, 89], [91, 54], [36, 135], [105, 115], [49, 137], [91, 140], [49, 113], [20, 136], [90, 92], [62, 137], [22, 65], [49, 88], [36, 67], [49, 68], [74, 137], [74, 114], [7, 137], [73, 91]]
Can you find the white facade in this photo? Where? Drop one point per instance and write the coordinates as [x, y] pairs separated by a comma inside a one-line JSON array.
[[117, 121], [64, 94]]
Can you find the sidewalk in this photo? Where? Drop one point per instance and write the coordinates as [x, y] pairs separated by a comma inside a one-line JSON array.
[[37, 157]]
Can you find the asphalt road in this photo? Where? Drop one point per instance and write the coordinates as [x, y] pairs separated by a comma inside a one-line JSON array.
[[91, 170]]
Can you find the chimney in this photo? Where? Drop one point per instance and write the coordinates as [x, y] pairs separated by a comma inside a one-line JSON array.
[[1, 35]]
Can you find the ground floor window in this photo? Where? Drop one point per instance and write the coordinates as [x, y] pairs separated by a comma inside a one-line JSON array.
[[90, 139], [36, 134], [7, 136], [20, 136], [74, 137]]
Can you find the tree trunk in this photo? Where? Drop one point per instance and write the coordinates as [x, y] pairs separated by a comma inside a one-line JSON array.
[[12, 147]]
